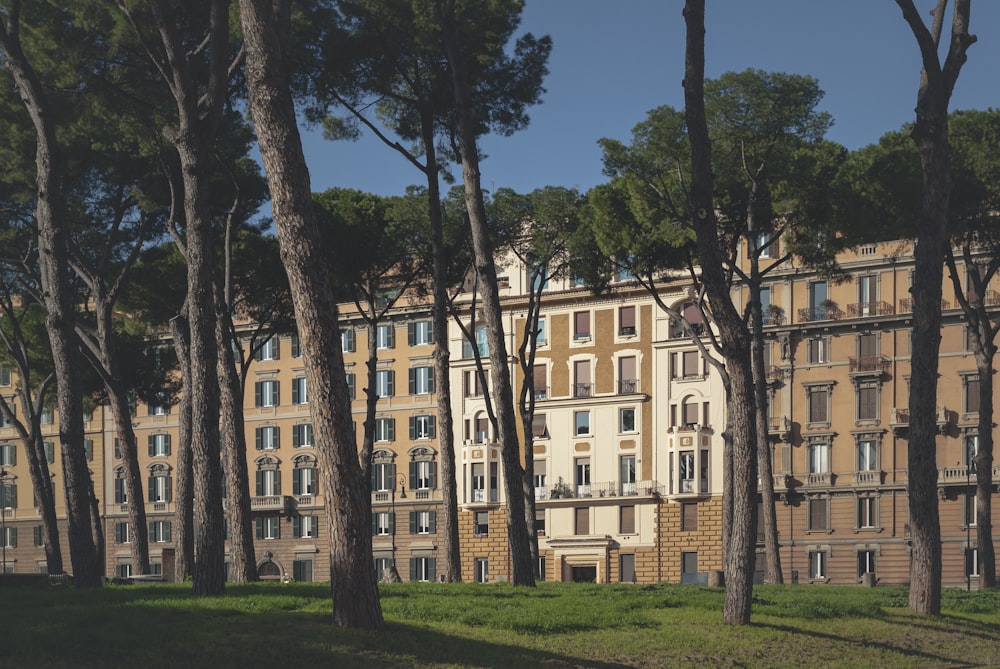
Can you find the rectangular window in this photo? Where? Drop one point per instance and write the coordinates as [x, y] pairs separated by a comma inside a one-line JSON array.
[[482, 430], [687, 471], [123, 570], [267, 438], [384, 336], [689, 517], [478, 482], [300, 393], [422, 475], [4, 375], [819, 514], [819, 457], [422, 427], [296, 346], [581, 420], [626, 470], [817, 294], [582, 387], [351, 385], [88, 449], [972, 562], [383, 523], [473, 383], [482, 526], [422, 569], [626, 520], [383, 476], [972, 393], [268, 483], [819, 398], [47, 417], [385, 383], [423, 522], [626, 321], [302, 570], [160, 488], [582, 477], [628, 378], [268, 527], [581, 325], [385, 429], [482, 344], [305, 481], [689, 562], [302, 435], [763, 244], [541, 336], [626, 420], [421, 380], [347, 341], [867, 401], [817, 565], [420, 333], [8, 455], [268, 350], [819, 350], [540, 475], [305, 527], [158, 445], [122, 534], [867, 455], [626, 568], [159, 531], [50, 451], [868, 294], [867, 517], [121, 496], [539, 381], [265, 393], [539, 426], [482, 570], [582, 520]]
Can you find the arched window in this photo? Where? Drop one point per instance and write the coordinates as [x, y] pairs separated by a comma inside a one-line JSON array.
[[304, 475]]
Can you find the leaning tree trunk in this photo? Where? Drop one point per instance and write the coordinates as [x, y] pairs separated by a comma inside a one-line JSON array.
[[41, 482], [930, 134], [734, 338], [234, 454], [53, 261], [184, 513], [352, 569], [486, 276], [122, 416]]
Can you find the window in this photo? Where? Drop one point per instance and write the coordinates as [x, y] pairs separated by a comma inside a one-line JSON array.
[[539, 381], [582, 386], [302, 570], [296, 346], [819, 514], [539, 426], [626, 321], [581, 419], [383, 523], [351, 385], [541, 338], [689, 517], [268, 350], [420, 333], [626, 469], [473, 383], [305, 527], [819, 404], [626, 420], [423, 522], [819, 350], [305, 479], [347, 341], [971, 393], [582, 520], [868, 401], [159, 445], [384, 336], [123, 570], [625, 273], [422, 427], [970, 507], [687, 471], [265, 393], [819, 456], [628, 379], [268, 480], [685, 365], [626, 520], [817, 565], [971, 448], [385, 383], [302, 435], [817, 295], [4, 375], [867, 294], [866, 562], [8, 455], [122, 534], [50, 451], [267, 438], [581, 325], [422, 475], [160, 485], [539, 521], [582, 477], [482, 344], [159, 531], [478, 482], [626, 562], [421, 380], [867, 455], [46, 416], [867, 513], [482, 570], [121, 496], [268, 527], [482, 430], [385, 429], [482, 526], [88, 449], [538, 277], [300, 394], [540, 477], [422, 569], [383, 476]]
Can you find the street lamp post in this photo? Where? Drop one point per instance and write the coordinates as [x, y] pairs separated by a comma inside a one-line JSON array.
[[399, 481]]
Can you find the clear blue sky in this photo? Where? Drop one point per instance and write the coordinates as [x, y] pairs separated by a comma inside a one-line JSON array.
[[613, 61]]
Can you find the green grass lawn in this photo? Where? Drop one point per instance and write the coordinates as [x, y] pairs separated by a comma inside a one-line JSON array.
[[432, 625]]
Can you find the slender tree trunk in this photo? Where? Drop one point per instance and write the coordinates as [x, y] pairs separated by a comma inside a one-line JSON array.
[[352, 569], [234, 454], [53, 260], [734, 337], [121, 414], [41, 482], [184, 531], [486, 276], [984, 475], [930, 134]]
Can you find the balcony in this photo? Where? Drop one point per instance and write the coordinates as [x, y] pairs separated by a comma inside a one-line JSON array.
[[774, 374], [267, 503], [869, 478], [603, 489], [780, 427], [961, 474], [899, 420], [773, 317], [541, 393], [875, 365], [874, 308], [628, 386], [820, 313], [906, 305], [819, 480], [582, 389]]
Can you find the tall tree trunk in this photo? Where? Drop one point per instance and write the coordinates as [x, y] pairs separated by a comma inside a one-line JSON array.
[[234, 454], [486, 277], [184, 530], [122, 416], [930, 134], [984, 474], [352, 569], [734, 338], [53, 260], [41, 482]]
